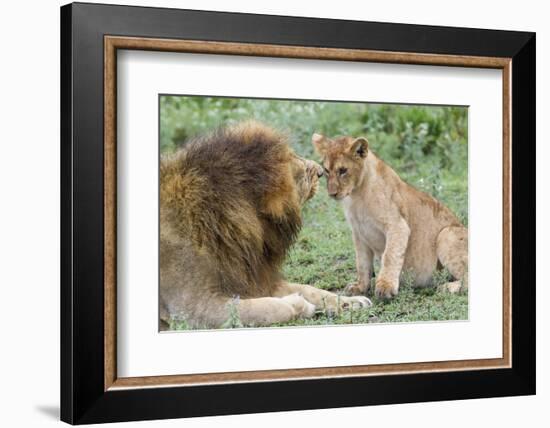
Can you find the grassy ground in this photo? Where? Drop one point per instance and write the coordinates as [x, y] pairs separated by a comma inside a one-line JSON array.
[[427, 146]]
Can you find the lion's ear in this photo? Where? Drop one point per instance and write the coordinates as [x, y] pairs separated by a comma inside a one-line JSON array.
[[320, 143], [359, 147]]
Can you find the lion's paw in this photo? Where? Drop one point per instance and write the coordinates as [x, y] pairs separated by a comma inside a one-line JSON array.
[[302, 308], [355, 302]]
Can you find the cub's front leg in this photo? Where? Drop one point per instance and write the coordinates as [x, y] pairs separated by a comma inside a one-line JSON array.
[[397, 239], [364, 257]]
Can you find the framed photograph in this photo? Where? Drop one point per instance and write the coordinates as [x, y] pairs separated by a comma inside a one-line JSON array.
[[266, 213]]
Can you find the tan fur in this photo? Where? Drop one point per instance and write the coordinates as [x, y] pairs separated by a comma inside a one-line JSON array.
[[230, 209], [408, 230]]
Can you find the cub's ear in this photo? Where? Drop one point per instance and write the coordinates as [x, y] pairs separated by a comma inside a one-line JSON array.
[[360, 147], [320, 143]]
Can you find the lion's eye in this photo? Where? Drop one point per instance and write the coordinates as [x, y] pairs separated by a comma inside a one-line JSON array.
[[342, 171]]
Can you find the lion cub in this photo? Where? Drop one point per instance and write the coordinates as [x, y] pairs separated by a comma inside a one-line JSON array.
[[408, 230]]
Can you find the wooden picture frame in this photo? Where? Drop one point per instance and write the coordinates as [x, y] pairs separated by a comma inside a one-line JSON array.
[[90, 389]]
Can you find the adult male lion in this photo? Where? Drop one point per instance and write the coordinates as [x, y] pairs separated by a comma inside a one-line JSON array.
[[230, 208], [408, 230]]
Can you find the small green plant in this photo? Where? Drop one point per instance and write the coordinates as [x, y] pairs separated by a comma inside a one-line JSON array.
[[234, 320], [178, 324], [440, 278], [407, 279]]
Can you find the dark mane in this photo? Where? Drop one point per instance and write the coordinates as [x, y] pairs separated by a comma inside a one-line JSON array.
[[220, 190]]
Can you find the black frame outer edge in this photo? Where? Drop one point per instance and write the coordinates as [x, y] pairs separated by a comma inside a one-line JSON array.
[[66, 305], [82, 397], [524, 213]]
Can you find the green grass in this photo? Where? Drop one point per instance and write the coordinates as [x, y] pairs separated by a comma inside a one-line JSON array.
[[427, 146]]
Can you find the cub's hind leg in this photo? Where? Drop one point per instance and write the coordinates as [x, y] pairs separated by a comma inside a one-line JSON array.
[[452, 252]]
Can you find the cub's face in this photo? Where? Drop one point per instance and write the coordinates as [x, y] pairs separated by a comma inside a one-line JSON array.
[[306, 175], [343, 162]]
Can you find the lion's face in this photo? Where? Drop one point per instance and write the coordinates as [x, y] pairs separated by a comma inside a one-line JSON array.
[[306, 175]]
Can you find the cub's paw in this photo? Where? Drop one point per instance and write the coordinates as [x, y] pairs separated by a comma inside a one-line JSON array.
[[451, 287], [385, 289], [356, 302], [355, 289], [302, 308]]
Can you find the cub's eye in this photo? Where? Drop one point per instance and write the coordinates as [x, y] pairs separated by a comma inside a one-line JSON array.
[[342, 171], [327, 172]]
